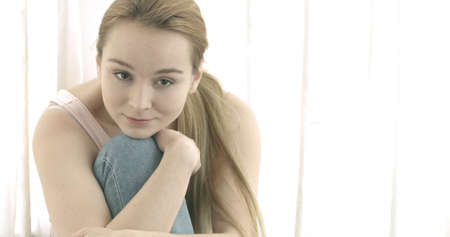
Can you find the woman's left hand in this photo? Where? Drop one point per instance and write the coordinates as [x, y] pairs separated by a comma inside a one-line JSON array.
[[103, 232]]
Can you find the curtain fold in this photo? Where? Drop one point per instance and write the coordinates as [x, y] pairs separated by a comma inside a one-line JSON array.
[[70, 67], [13, 180]]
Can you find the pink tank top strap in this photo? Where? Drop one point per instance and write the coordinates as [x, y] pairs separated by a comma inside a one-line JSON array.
[[81, 114]]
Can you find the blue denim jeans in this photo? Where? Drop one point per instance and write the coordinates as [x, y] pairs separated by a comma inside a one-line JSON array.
[[122, 167]]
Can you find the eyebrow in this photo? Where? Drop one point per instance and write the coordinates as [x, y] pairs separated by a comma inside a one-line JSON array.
[[161, 71]]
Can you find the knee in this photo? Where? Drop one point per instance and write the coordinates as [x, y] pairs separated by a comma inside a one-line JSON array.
[[123, 153]]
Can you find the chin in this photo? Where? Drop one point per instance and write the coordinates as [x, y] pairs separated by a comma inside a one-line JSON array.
[[138, 134]]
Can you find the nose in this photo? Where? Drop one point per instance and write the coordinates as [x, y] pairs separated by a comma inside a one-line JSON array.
[[141, 98]]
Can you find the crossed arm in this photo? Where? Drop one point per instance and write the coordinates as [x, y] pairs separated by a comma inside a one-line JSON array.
[[132, 220], [144, 218]]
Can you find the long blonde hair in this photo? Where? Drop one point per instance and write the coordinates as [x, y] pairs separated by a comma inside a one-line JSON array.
[[204, 114]]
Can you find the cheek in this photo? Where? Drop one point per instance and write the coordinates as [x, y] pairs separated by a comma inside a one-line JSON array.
[[172, 103], [111, 94]]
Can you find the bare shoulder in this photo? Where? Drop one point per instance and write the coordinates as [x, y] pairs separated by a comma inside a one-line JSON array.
[[242, 113], [56, 128], [247, 138], [246, 128], [63, 153]]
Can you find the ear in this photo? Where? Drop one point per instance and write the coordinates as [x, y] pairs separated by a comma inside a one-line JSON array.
[[197, 78]]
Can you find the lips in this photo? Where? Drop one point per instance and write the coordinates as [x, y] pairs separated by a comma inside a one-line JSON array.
[[137, 119]]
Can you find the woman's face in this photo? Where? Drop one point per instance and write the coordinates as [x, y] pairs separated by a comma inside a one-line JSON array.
[[146, 73]]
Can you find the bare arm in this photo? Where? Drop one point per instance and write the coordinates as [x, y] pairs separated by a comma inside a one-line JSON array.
[[157, 203], [96, 231], [147, 234], [161, 234]]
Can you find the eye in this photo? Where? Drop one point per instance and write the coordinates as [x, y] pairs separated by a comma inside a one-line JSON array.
[[122, 76], [164, 82]]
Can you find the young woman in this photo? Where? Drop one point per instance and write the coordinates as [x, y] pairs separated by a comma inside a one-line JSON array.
[[152, 146]]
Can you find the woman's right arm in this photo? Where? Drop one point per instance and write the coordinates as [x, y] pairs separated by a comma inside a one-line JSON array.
[[64, 162]]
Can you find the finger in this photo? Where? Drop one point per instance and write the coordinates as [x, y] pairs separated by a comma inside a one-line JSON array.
[[161, 139], [79, 233], [86, 231], [165, 137]]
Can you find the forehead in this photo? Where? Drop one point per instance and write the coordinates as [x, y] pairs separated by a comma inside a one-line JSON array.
[[142, 46]]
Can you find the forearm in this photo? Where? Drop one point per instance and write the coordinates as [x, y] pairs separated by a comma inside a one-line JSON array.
[[157, 203], [139, 233]]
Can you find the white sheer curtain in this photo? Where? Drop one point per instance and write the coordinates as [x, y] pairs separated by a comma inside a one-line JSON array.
[[375, 155], [13, 179], [351, 99]]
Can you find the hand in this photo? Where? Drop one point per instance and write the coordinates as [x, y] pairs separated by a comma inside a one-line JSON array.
[[179, 145], [103, 232]]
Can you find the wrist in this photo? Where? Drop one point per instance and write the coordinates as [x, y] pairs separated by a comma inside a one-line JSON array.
[[178, 162], [152, 234]]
